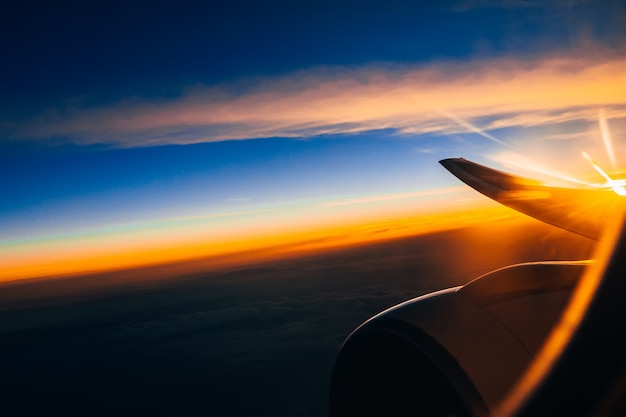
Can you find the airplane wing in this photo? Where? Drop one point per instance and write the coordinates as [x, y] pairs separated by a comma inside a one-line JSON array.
[[527, 340], [580, 210]]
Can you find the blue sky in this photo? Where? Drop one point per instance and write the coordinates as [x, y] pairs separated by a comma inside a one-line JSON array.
[[85, 54], [113, 113]]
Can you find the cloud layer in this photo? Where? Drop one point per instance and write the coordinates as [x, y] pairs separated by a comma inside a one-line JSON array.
[[493, 93]]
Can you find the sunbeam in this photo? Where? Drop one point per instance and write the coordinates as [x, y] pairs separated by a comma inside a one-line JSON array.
[[606, 137]]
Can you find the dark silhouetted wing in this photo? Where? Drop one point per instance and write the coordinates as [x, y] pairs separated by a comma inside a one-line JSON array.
[[583, 211]]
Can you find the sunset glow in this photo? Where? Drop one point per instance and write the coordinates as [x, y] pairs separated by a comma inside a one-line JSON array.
[[285, 152], [233, 243], [200, 201]]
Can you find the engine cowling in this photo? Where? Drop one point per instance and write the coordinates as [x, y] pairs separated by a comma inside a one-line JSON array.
[[455, 352]]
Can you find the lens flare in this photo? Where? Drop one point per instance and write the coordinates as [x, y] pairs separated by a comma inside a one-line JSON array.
[[516, 161], [606, 137], [616, 185], [470, 126]]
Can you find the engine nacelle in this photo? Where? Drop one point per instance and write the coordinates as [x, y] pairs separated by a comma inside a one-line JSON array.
[[455, 352]]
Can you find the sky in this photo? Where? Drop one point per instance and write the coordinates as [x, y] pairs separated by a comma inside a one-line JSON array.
[[156, 131]]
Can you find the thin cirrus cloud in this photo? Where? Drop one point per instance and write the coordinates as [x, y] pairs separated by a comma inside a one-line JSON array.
[[504, 92], [398, 196], [466, 5]]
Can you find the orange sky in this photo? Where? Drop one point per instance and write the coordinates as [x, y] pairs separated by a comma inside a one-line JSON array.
[[258, 236]]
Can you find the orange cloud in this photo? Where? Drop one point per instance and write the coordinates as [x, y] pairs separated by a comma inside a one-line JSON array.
[[510, 91]]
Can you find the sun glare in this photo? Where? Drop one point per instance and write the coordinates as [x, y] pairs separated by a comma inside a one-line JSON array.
[[616, 185]]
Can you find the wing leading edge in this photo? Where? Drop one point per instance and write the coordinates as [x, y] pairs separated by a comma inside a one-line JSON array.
[[583, 211]]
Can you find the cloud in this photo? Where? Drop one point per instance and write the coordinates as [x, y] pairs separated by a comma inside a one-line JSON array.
[[467, 5], [399, 196], [566, 136], [507, 91]]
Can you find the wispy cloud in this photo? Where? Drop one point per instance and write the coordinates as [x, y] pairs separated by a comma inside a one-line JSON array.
[[399, 196], [466, 5], [567, 136], [414, 100]]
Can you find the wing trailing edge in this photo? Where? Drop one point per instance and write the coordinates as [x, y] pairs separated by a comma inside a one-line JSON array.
[[583, 211]]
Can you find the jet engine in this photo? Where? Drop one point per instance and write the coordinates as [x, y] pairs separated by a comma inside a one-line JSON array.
[[455, 352], [460, 351]]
